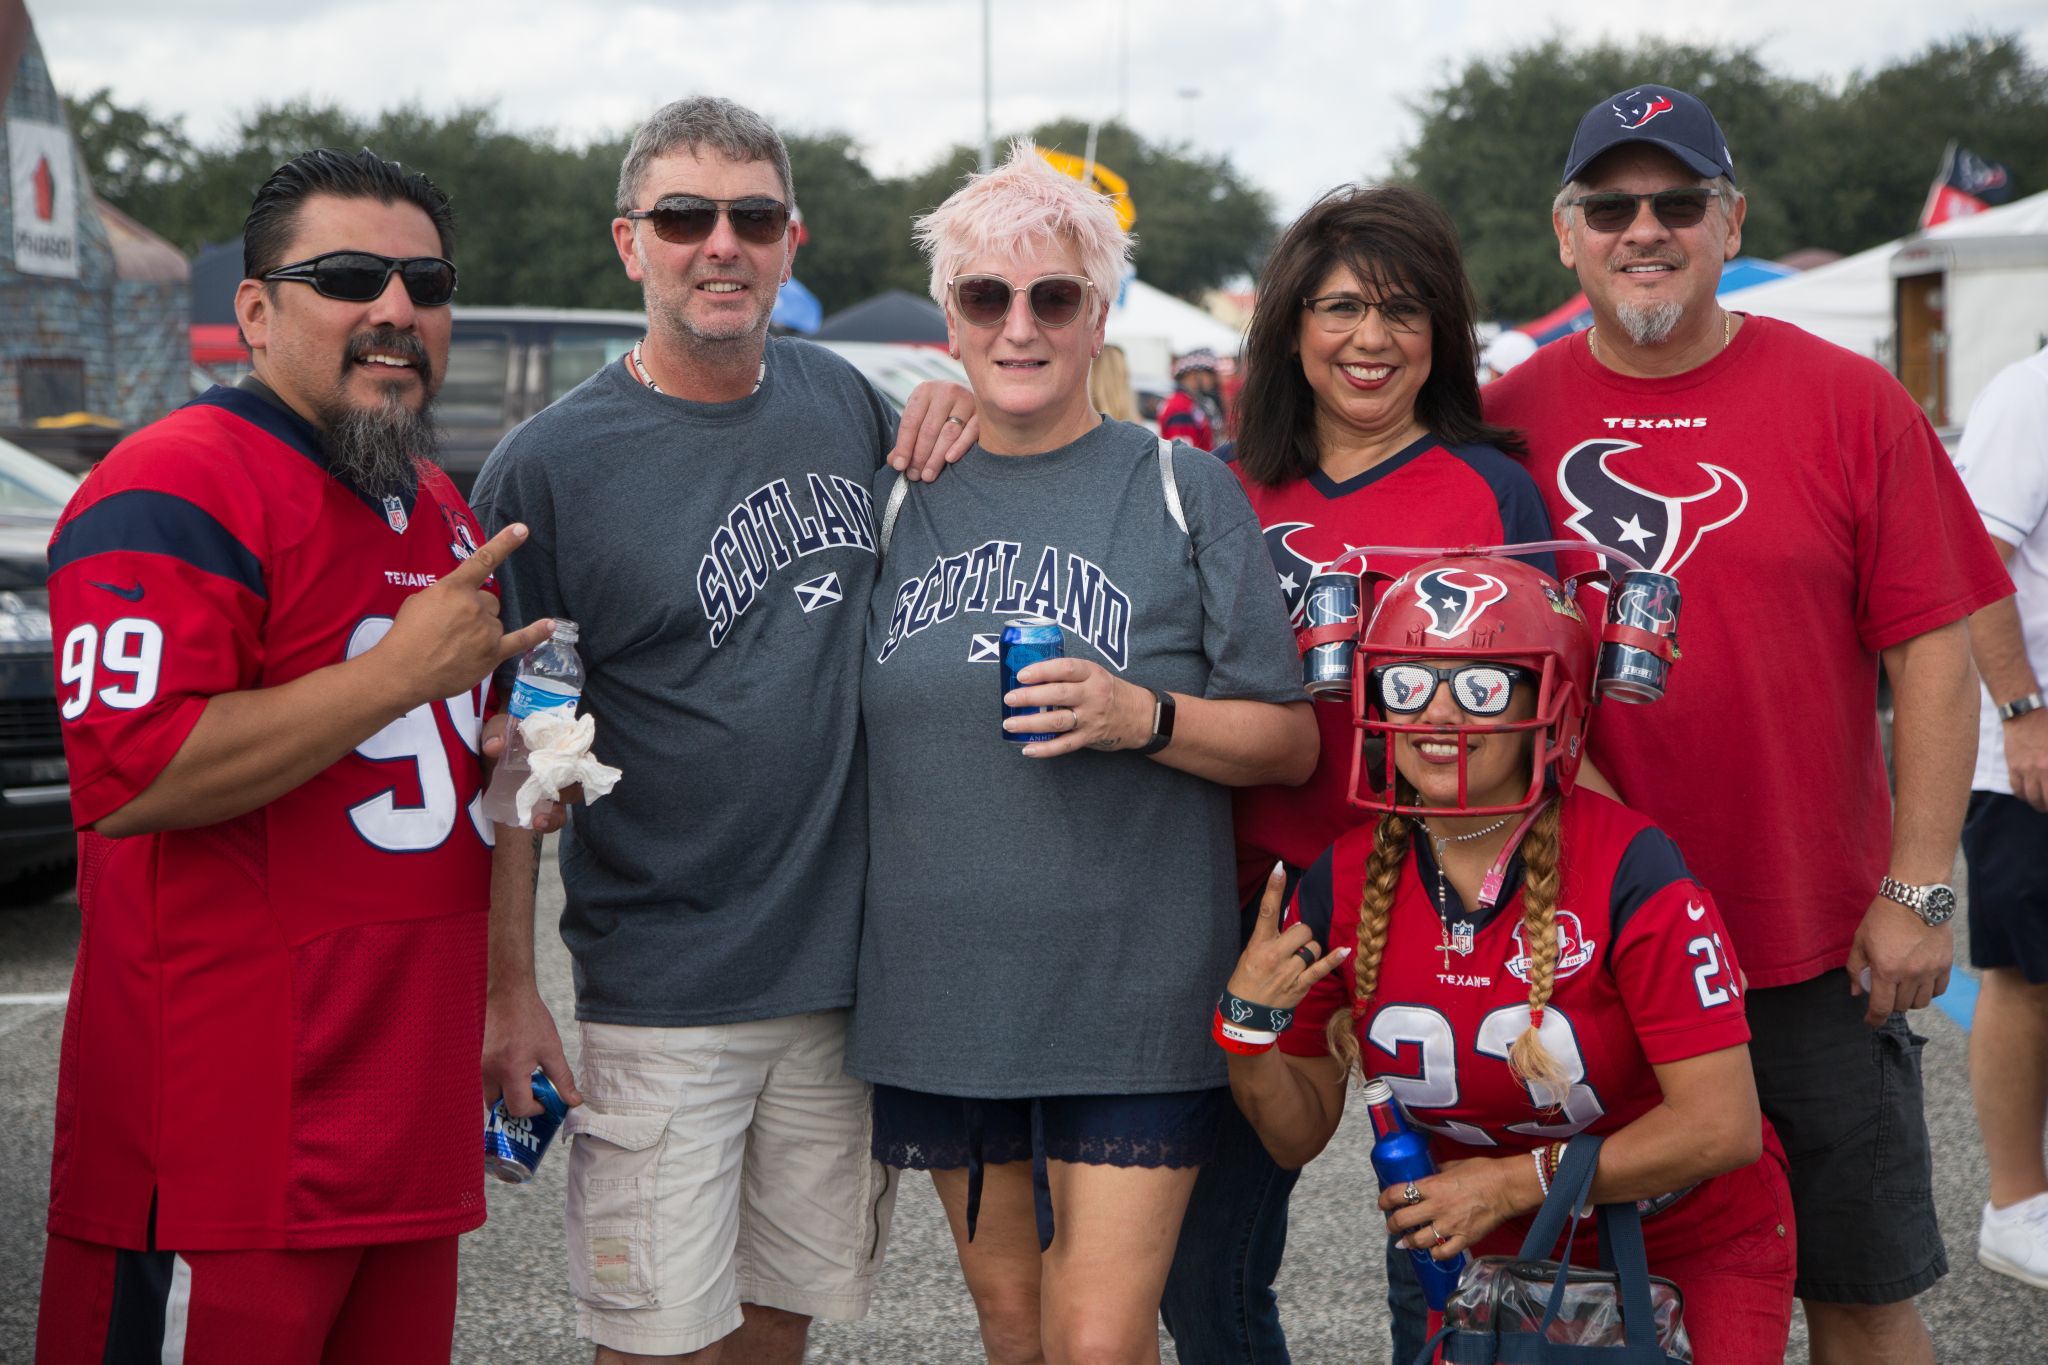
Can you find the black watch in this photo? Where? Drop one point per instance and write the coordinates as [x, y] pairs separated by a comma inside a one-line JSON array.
[[1162, 723]]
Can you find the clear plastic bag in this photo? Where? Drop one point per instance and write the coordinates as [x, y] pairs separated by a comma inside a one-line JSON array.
[[1501, 1294]]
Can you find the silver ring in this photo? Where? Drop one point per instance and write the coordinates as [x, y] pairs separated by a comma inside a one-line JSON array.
[[961, 420], [1411, 1195]]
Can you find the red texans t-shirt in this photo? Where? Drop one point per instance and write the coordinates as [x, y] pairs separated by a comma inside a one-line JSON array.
[[1427, 496], [275, 1021], [1812, 519], [1645, 975]]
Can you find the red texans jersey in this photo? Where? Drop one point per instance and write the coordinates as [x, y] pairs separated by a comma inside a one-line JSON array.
[[1812, 520], [275, 1021], [1644, 975], [1427, 496], [1182, 419]]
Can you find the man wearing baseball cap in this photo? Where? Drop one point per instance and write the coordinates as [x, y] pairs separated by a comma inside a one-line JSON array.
[[1818, 530]]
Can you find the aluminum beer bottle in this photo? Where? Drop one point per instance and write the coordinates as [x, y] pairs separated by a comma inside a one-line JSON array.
[[1401, 1154], [550, 675], [513, 1147], [1027, 641]]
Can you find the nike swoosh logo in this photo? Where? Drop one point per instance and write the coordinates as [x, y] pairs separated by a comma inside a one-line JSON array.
[[133, 594]]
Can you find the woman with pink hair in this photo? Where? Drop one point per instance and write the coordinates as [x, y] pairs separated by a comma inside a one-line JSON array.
[[1050, 911]]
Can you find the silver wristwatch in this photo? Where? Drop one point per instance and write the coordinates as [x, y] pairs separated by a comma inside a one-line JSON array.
[[1933, 903], [2019, 706]]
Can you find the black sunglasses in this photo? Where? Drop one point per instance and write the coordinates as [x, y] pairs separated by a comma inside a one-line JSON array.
[[984, 300], [1612, 210], [361, 276], [1480, 689], [685, 219]]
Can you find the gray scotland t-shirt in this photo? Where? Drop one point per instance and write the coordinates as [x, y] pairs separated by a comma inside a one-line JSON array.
[[1054, 926], [718, 559]]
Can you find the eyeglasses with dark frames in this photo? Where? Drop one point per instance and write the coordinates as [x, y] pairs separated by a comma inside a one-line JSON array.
[[1339, 313], [361, 276], [687, 219], [984, 300], [1614, 210]]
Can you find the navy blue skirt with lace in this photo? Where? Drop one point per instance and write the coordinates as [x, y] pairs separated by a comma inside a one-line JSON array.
[[918, 1131]]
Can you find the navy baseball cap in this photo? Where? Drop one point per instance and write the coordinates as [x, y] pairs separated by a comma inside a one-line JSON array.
[[1679, 123]]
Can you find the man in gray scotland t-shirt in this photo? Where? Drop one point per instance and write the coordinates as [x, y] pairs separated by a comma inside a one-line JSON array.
[[702, 510]]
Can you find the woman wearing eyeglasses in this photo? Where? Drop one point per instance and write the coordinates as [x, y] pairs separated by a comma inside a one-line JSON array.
[[1358, 424], [1048, 921], [1531, 961]]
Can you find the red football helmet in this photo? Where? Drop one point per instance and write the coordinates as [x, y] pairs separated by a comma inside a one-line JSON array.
[[1477, 606]]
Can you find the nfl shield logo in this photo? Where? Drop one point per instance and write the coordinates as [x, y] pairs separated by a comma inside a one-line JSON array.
[[394, 512]]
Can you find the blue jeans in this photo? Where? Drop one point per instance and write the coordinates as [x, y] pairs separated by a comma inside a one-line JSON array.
[[1219, 1304], [1405, 1302]]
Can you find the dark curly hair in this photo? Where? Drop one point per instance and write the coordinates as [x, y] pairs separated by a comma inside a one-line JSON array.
[[1395, 239]]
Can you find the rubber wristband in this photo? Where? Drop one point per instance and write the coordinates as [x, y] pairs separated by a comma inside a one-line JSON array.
[[1246, 1015], [1235, 1042]]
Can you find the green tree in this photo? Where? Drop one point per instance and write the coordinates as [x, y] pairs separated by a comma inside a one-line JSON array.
[[132, 154]]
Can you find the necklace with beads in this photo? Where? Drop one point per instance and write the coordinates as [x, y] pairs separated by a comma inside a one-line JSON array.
[[1456, 939], [639, 369], [1727, 333]]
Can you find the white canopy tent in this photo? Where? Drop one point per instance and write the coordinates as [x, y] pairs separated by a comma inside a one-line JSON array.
[[1152, 327], [1849, 302]]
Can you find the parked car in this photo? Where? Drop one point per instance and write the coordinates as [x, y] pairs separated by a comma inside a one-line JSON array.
[[37, 847]]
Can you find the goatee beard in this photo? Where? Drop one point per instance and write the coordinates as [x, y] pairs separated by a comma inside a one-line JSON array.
[[378, 450], [1649, 324]]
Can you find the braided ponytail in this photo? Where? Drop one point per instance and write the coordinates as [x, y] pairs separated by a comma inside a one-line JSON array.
[[1531, 1061], [1375, 911]]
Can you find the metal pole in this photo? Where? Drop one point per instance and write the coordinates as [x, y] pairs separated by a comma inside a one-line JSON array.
[[988, 135]]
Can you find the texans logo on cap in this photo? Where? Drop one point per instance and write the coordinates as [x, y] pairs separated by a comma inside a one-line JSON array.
[[1635, 108], [1454, 605]]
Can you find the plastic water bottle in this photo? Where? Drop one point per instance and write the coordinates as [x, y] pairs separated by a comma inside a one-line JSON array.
[[550, 676], [1399, 1155]]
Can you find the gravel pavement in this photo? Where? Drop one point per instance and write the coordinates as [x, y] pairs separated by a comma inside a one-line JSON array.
[[514, 1307]]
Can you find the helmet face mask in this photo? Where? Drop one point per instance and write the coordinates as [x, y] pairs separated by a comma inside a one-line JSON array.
[[1474, 607]]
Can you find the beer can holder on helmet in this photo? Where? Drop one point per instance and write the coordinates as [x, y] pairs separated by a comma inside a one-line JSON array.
[[1568, 687]]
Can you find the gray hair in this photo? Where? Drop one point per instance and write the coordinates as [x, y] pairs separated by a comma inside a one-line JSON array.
[[1723, 188], [732, 130]]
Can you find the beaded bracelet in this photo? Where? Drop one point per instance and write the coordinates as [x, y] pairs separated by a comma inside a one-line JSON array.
[[1242, 1042], [1542, 1176], [1244, 1014]]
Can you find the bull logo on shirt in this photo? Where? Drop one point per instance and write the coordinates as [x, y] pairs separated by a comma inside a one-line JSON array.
[[1659, 529], [1574, 949], [1454, 598], [1294, 567]]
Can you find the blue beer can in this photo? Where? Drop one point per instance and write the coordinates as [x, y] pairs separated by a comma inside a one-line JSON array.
[[1026, 641], [1401, 1155], [513, 1147], [1331, 600], [1647, 601]]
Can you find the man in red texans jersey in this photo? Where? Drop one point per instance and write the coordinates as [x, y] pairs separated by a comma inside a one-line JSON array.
[[1818, 527], [276, 624]]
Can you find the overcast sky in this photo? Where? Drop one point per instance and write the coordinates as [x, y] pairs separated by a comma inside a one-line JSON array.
[[1301, 94]]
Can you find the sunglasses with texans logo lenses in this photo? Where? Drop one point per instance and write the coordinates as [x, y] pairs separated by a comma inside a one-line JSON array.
[[1612, 210], [984, 300], [1479, 689], [686, 219], [361, 276]]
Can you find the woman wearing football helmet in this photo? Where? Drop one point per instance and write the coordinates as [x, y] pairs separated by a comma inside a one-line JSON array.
[[1523, 960]]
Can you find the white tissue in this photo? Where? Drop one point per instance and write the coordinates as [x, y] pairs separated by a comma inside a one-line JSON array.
[[558, 748]]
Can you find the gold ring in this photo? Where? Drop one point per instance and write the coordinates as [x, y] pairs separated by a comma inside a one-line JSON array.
[[1440, 1238]]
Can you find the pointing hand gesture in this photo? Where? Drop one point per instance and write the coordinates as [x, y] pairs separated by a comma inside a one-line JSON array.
[[1279, 966], [448, 638]]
